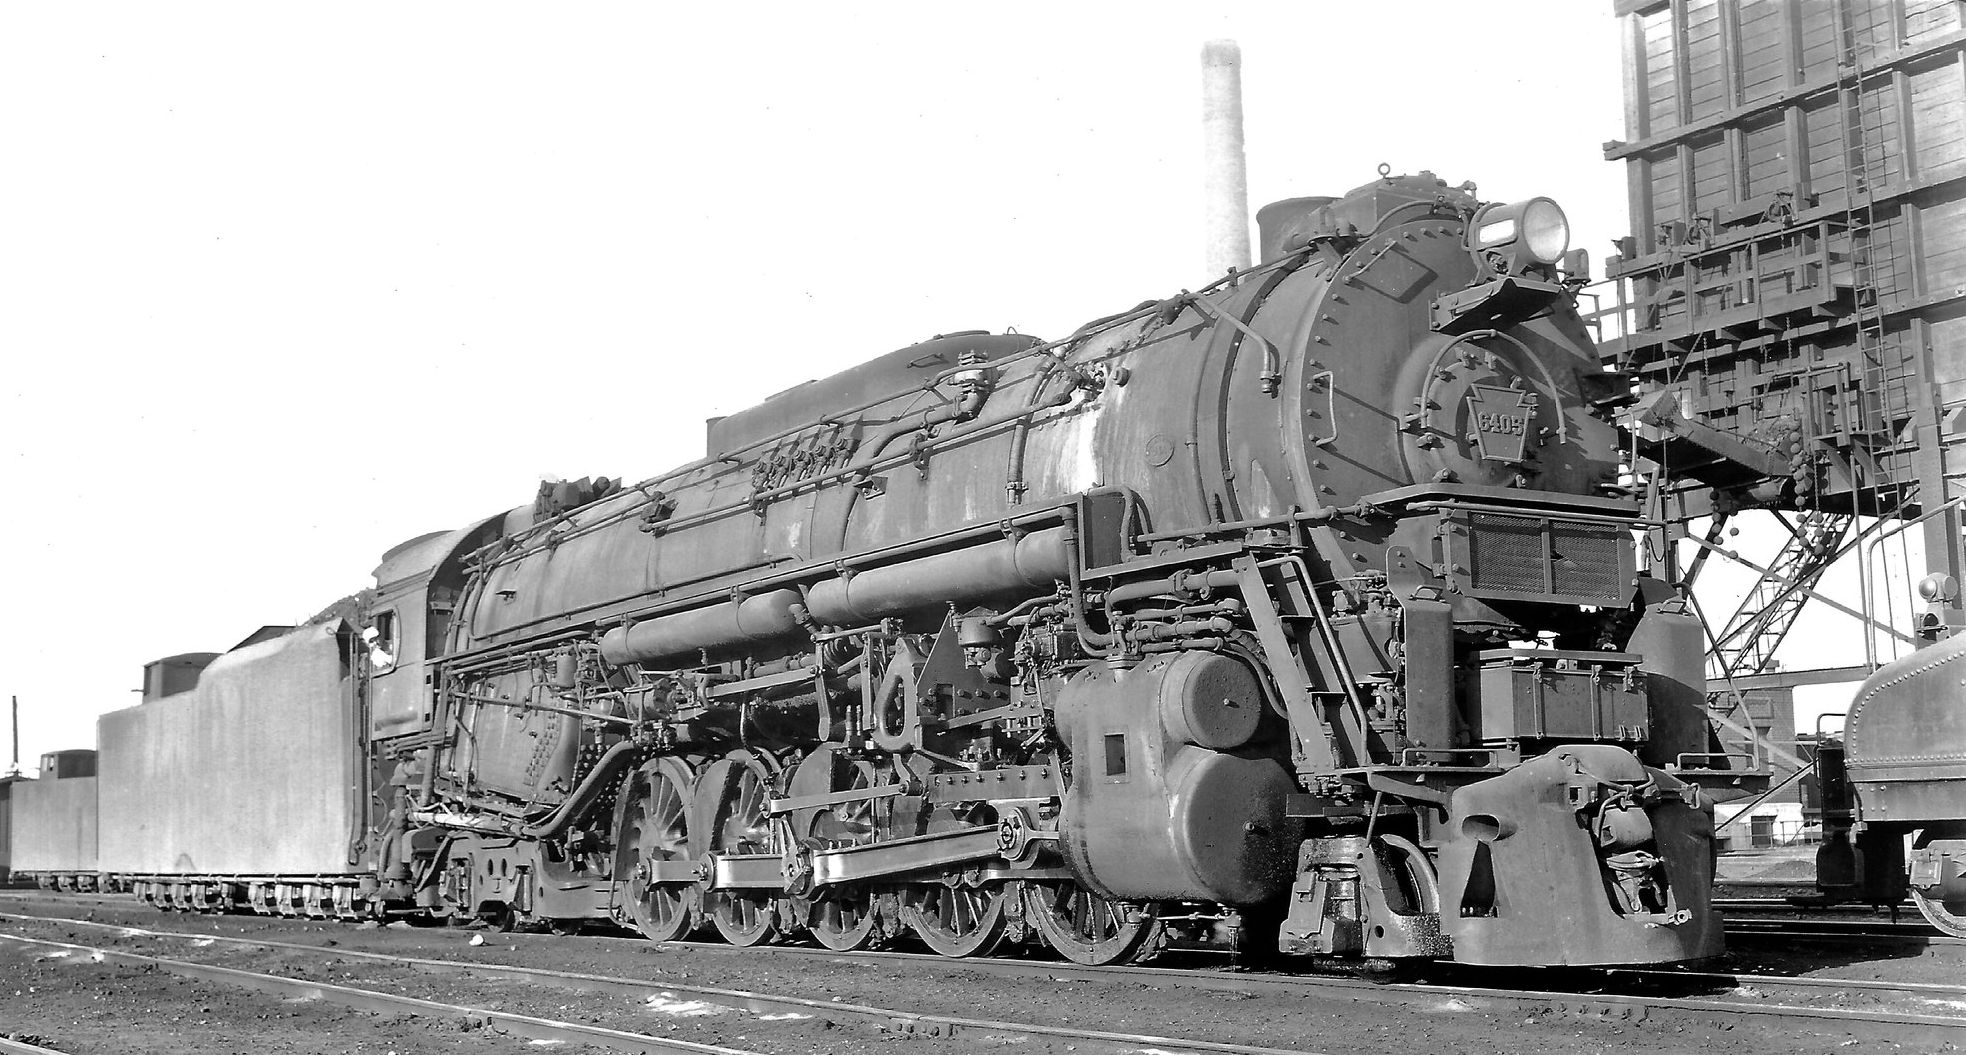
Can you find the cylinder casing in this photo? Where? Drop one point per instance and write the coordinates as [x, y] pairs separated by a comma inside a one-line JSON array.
[[1152, 814]]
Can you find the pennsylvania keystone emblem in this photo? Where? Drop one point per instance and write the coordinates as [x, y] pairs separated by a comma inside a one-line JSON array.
[[1501, 421]]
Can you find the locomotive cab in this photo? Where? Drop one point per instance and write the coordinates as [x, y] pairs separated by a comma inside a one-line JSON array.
[[403, 626]]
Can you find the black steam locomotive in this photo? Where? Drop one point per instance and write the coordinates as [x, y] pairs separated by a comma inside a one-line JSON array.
[[1300, 613]]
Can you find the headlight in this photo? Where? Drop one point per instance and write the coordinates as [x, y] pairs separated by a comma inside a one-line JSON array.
[[1521, 235], [1545, 229]]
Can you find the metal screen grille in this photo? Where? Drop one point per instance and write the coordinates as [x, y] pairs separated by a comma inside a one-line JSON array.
[[1507, 554], [1533, 556], [1585, 558]]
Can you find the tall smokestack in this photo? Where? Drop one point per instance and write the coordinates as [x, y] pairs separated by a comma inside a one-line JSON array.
[[15, 702], [1225, 176]]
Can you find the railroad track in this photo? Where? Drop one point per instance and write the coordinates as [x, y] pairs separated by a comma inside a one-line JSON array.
[[528, 1026], [1811, 922], [1622, 994], [543, 1029], [1782, 904], [1871, 930], [1810, 926]]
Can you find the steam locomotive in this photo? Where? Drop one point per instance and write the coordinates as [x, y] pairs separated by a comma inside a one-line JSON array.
[[1896, 778], [1299, 613]]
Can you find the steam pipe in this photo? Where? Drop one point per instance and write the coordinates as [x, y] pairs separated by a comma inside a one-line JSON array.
[[1014, 485], [1208, 644], [1179, 582], [618, 760], [1006, 618], [1145, 632], [1095, 642], [1225, 606]]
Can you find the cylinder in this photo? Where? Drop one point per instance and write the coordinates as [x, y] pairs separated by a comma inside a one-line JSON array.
[[1031, 562], [1225, 177], [760, 618]]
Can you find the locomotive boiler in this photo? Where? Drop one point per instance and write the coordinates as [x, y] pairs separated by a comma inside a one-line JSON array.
[[1301, 613]]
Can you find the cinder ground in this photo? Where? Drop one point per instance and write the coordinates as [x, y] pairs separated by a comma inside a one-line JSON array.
[[79, 1007], [76, 1006]]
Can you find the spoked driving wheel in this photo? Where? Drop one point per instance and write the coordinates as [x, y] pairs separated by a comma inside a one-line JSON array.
[[654, 829], [957, 920], [744, 917], [842, 917], [1086, 928]]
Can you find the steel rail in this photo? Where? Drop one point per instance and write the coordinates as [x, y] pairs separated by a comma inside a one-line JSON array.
[[21, 1047], [1782, 904], [1764, 883], [1779, 981], [1632, 1007], [1839, 932], [1865, 928], [737, 999], [1364, 989], [527, 1026], [1623, 1006], [1607, 1004], [1629, 1007]]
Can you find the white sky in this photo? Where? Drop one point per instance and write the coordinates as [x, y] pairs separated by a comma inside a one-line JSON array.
[[282, 286]]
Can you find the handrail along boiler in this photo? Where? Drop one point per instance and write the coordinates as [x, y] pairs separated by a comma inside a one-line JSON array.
[[1300, 612]]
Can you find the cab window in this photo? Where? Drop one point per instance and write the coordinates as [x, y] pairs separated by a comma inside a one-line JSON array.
[[380, 638]]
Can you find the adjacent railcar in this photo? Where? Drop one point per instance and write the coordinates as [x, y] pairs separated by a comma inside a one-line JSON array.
[[1898, 776], [54, 823], [246, 785], [7, 782]]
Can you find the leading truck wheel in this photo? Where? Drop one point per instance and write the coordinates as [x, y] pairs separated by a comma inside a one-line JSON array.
[[1088, 929], [654, 829]]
